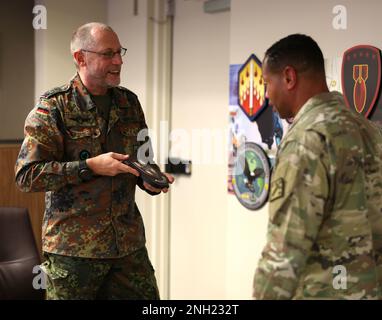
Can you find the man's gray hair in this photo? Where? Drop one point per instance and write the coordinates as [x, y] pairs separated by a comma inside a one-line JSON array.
[[82, 38]]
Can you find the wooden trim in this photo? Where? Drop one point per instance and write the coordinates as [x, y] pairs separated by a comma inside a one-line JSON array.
[[11, 196]]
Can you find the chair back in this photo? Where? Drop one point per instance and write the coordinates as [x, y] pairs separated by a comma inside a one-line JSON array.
[[18, 256]]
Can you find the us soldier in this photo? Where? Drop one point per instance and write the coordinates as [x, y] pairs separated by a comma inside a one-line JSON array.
[[75, 141], [325, 199]]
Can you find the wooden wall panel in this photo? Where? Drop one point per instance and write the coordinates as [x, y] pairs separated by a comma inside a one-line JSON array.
[[11, 196]]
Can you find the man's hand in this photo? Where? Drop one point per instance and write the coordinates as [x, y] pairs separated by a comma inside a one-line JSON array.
[[110, 164], [170, 179]]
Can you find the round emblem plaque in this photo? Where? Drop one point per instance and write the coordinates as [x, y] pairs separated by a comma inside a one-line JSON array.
[[251, 176]]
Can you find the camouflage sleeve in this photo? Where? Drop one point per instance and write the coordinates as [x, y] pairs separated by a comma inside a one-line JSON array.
[[299, 190], [39, 166]]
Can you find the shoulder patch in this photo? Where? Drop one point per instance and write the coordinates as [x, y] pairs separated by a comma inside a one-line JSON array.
[[277, 189], [42, 111], [55, 91]]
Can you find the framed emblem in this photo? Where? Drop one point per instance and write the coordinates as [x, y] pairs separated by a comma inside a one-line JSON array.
[[251, 176], [361, 78], [251, 88]]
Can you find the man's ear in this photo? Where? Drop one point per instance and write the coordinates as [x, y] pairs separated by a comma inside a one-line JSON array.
[[80, 58], [290, 77]]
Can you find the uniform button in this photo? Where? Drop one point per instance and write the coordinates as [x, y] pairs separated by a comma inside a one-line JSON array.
[[84, 154], [96, 133]]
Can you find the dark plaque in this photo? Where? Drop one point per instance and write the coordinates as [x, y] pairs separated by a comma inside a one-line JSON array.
[[150, 173]]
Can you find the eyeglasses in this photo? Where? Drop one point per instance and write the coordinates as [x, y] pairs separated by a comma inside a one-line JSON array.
[[109, 54]]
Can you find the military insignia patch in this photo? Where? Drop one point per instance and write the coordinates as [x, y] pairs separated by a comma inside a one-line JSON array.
[[251, 88], [361, 78], [277, 189], [42, 111]]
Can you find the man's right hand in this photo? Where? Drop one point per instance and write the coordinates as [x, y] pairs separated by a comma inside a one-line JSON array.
[[110, 164]]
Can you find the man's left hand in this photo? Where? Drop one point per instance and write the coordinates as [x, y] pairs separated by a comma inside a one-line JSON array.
[[148, 187]]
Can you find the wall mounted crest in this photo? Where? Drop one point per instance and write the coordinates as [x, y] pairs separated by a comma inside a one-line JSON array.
[[251, 88], [361, 78]]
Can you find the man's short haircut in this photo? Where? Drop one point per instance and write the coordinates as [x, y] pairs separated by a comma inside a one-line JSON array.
[[298, 51], [82, 38]]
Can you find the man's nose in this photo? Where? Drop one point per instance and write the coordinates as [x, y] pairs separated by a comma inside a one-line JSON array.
[[117, 59]]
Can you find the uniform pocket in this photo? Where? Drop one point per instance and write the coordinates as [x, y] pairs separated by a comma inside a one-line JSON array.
[[80, 141], [81, 132], [53, 271], [81, 125], [79, 118], [129, 131]]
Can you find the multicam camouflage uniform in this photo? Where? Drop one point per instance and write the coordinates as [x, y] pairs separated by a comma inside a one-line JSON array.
[[97, 219], [325, 208]]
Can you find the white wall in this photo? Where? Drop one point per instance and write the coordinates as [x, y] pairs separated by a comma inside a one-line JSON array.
[[255, 25], [199, 202]]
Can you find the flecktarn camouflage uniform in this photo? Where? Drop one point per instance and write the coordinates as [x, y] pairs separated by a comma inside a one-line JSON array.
[[325, 208], [95, 221]]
